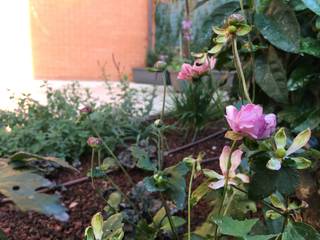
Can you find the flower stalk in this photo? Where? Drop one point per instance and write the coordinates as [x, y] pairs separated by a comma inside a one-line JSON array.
[[239, 69], [189, 198]]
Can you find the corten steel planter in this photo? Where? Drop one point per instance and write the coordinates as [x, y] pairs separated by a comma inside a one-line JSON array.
[[224, 78]]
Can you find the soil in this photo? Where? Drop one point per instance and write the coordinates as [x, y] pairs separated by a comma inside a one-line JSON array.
[[83, 201]]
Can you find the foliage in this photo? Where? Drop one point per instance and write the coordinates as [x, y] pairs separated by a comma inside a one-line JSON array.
[[196, 105], [57, 129], [19, 182]]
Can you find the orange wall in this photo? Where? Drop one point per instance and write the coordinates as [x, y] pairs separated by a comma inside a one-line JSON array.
[[69, 37]]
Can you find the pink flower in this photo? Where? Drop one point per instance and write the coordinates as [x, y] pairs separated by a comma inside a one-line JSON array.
[[232, 176], [186, 24], [94, 142], [198, 69], [250, 121]]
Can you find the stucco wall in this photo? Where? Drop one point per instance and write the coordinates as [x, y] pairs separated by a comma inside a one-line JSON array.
[[69, 37]]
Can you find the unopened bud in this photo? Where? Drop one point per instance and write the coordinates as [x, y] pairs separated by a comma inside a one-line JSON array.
[[235, 19]]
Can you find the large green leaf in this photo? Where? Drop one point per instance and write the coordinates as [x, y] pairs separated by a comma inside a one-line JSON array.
[[271, 76], [264, 182], [27, 157], [232, 227], [20, 187], [279, 25], [310, 46], [300, 231], [313, 5], [143, 159]]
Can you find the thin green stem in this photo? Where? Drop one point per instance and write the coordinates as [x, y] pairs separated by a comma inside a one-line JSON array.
[[99, 158], [189, 199], [239, 69], [164, 95], [230, 199], [226, 184], [165, 205], [92, 166], [112, 154]]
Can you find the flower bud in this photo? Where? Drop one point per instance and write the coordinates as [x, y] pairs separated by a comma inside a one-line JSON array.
[[160, 179], [160, 65], [86, 110], [235, 19], [94, 142]]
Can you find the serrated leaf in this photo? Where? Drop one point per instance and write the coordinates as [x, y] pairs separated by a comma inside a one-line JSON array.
[[299, 231], [299, 141], [236, 228], [279, 25], [264, 182], [313, 5], [271, 76], [280, 138]]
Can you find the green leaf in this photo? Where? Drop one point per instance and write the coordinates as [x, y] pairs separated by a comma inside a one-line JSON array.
[[26, 157], [112, 227], [260, 237], [217, 48], [89, 235], [177, 222], [113, 201], [236, 228], [273, 215], [313, 5], [144, 231], [20, 187], [274, 164], [97, 226], [276, 202], [211, 174], [221, 39], [264, 182], [299, 231], [280, 138], [219, 31], [142, 158], [271, 76], [243, 30], [279, 25], [200, 192], [299, 141], [301, 162], [310, 46]]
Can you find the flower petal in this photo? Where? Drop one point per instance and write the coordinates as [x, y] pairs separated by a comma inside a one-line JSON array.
[[235, 160], [216, 185], [223, 160], [231, 117], [244, 178]]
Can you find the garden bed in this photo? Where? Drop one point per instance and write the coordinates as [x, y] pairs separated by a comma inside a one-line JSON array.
[[83, 201]]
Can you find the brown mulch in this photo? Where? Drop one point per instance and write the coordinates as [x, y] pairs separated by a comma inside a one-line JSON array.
[[83, 201]]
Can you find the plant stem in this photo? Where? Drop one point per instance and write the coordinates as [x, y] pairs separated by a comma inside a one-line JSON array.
[[112, 154], [92, 163], [165, 205], [239, 69], [189, 199], [229, 204], [99, 158], [225, 189], [164, 79]]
